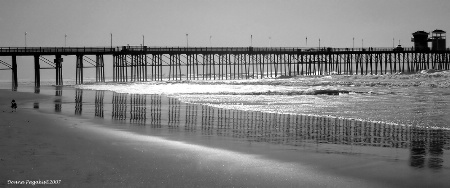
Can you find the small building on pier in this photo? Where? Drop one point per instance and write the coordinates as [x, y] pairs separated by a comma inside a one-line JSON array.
[[438, 40], [420, 41]]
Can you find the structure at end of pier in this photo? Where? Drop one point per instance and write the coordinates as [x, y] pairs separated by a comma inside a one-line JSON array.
[[437, 39]]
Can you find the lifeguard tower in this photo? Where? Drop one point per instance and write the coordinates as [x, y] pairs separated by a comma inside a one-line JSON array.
[[438, 42]]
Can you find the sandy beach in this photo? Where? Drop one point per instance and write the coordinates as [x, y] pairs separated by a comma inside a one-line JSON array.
[[85, 152]]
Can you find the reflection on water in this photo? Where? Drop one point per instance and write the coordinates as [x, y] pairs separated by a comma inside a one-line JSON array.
[[99, 96], [138, 109], [155, 111], [58, 90], [191, 117], [119, 106], [78, 101], [58, 102], [174, 113], [58, 105], [426, 145]]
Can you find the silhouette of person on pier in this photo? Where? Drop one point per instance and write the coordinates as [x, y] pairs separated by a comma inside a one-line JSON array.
[[13, 106]]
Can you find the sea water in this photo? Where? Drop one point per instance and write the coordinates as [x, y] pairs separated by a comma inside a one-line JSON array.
[[407, 100]]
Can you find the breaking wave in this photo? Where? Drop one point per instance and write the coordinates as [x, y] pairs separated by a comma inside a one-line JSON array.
[[302, 92]]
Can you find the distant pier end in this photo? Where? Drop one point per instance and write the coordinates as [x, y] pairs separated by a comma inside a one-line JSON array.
[[438, 40]]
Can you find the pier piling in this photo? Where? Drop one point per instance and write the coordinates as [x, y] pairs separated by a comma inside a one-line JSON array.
[[37, 72], [14, 72]]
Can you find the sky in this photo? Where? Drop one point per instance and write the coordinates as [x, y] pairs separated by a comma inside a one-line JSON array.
[[217, 23]]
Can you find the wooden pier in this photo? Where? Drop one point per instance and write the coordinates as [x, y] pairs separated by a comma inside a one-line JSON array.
[[142, 63]]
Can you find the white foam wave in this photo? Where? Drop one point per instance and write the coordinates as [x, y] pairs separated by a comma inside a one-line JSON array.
[[228, 89]]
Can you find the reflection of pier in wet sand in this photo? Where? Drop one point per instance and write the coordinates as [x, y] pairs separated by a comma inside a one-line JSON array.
[[58, 101], [99, 96], [78, 101], [426, 145], [138, 109], [119, 106]]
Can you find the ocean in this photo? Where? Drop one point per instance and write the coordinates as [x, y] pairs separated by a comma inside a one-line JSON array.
[[407, 100]]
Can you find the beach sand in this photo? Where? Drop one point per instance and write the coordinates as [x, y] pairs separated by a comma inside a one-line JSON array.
[[83, 152]]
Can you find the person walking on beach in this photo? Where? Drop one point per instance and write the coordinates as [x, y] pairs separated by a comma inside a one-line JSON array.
[[13, 106]]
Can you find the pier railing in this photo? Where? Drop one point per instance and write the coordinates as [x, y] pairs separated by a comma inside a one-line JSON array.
[[261, 49], [148, 49], [56, 50]]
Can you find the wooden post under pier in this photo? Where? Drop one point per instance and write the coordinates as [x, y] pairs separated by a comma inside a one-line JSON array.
[[58, 65], [37, 72], [99, 68], [14, 72], [79, 70]]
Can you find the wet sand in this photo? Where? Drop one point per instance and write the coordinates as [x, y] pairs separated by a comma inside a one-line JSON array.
[[82, 152]]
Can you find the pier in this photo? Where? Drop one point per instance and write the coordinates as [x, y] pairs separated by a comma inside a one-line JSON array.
[[142, 63]]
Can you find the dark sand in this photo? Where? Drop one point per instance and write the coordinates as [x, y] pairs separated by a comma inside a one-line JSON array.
[[84, 153]]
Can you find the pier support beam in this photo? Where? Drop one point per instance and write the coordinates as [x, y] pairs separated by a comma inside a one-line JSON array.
[[14, 72], [37, 72], [120, 68], [99, 69], [115, 72], [79, 70], [58, 66]]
